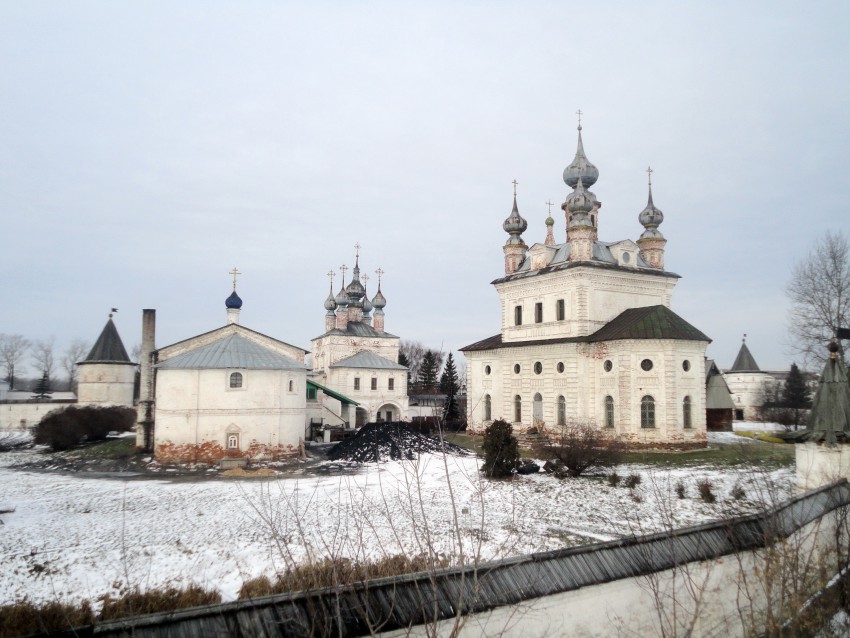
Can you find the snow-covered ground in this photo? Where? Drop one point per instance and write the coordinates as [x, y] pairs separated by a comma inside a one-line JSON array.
[[73, 537]]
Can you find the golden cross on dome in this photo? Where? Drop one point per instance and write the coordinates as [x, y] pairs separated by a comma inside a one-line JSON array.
[[379, 272], [649, 173], [234, 272], [515, 185]]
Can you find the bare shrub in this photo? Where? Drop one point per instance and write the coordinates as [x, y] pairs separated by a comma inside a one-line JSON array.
[[65, 428], [738, 492], [632, 481], [582, 447], [705, 493], [680, 490], [614, 479]]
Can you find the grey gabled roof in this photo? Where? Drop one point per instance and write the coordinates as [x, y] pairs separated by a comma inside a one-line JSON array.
[[108, 348], [717, 395], [650, 322], [744, 362], [367, 359], [233, 351], [358, 329]]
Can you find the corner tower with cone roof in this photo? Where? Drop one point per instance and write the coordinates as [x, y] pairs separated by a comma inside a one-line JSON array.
[[106, 375]]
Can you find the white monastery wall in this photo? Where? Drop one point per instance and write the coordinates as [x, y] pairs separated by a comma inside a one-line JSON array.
[[747, 390], [718, 606], [14, 416]]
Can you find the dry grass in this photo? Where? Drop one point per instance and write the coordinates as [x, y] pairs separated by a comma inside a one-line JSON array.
[[340, 571], [24, 618]]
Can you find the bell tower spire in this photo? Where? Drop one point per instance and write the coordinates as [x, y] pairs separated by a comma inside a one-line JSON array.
[[515, 247], [651, 242]]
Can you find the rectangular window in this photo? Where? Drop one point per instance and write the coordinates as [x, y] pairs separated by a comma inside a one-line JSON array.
[[517, 315], [538, 312], [356, 383], [391, 384], [559, 310], [311, 394], [374, 383]]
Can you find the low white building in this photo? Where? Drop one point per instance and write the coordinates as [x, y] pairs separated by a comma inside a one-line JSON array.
[[587, 333]]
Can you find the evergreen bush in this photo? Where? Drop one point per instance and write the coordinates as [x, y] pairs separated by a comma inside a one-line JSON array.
[[65, 428], [501, 452]]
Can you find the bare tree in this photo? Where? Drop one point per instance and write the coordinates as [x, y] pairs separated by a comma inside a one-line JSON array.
[[819, 291], [75, 352], [42, 353], [414, 352], [12, 351]]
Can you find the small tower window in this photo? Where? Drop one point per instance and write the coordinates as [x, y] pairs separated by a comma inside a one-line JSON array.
[[559, 310], [517, 315], [686, 365], [560, 366], [538, 312], [562, 410], [609, 412], [291, 385], [538, 367], [686, 412], [517, 408], [646, 365], [488, 408], [487, 370], [647, 412], [608, 365], [235, 379], [517, 368]]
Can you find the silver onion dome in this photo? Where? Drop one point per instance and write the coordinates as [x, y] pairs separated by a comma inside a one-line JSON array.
[[580, 168], [330, 303], [515, 225], [379, 301], [580, 200], [650, 218]]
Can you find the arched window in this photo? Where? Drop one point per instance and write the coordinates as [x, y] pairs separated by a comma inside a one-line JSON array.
[[686, 412], [232, 441], [488, 408], [609, 411], [647, 412], [517, 408], [562, 410], [235, 379]]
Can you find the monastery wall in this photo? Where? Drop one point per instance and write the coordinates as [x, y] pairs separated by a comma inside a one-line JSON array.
[[19, 415]]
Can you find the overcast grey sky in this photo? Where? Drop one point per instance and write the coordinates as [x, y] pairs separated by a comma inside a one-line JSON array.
[[146, 148]]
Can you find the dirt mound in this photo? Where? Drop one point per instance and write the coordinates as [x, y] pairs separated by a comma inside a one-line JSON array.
[[377, 442]]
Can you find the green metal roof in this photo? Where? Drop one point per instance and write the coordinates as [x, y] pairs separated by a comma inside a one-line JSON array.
[[329, 392], [650, 322]]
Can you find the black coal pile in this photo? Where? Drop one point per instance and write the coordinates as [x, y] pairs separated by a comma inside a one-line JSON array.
[[377, 442]]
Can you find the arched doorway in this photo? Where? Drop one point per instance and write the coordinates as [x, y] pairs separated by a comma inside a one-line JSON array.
[[388, 412]]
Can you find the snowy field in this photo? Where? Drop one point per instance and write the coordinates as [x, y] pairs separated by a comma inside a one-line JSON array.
[[71, 537]]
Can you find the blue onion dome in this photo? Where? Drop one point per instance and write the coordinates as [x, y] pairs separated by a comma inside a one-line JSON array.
[[580, 200], [515, 225], [651, 218], [580, 168], [233, 301], [379, 301]]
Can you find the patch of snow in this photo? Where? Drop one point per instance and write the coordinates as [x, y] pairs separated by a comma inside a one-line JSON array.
[[75, 538]]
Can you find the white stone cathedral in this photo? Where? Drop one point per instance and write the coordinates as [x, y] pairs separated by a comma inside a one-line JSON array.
[[587, 333]]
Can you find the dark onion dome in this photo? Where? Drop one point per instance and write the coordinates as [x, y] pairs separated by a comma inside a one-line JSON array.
[[367, 305], [330, 304], [515, 225], [650, 218], [355, 289], [233, 301], [379, 301], [581, 168], [580, 200]]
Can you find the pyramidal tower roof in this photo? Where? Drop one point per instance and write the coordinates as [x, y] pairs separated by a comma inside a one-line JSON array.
[[108, 348], [744, 362]]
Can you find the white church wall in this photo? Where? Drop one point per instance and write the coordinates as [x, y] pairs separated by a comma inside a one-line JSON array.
[[197, 412]]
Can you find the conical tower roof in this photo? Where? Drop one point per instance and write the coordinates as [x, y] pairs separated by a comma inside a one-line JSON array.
[[744, 362], [829, 420], [108, 348]]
